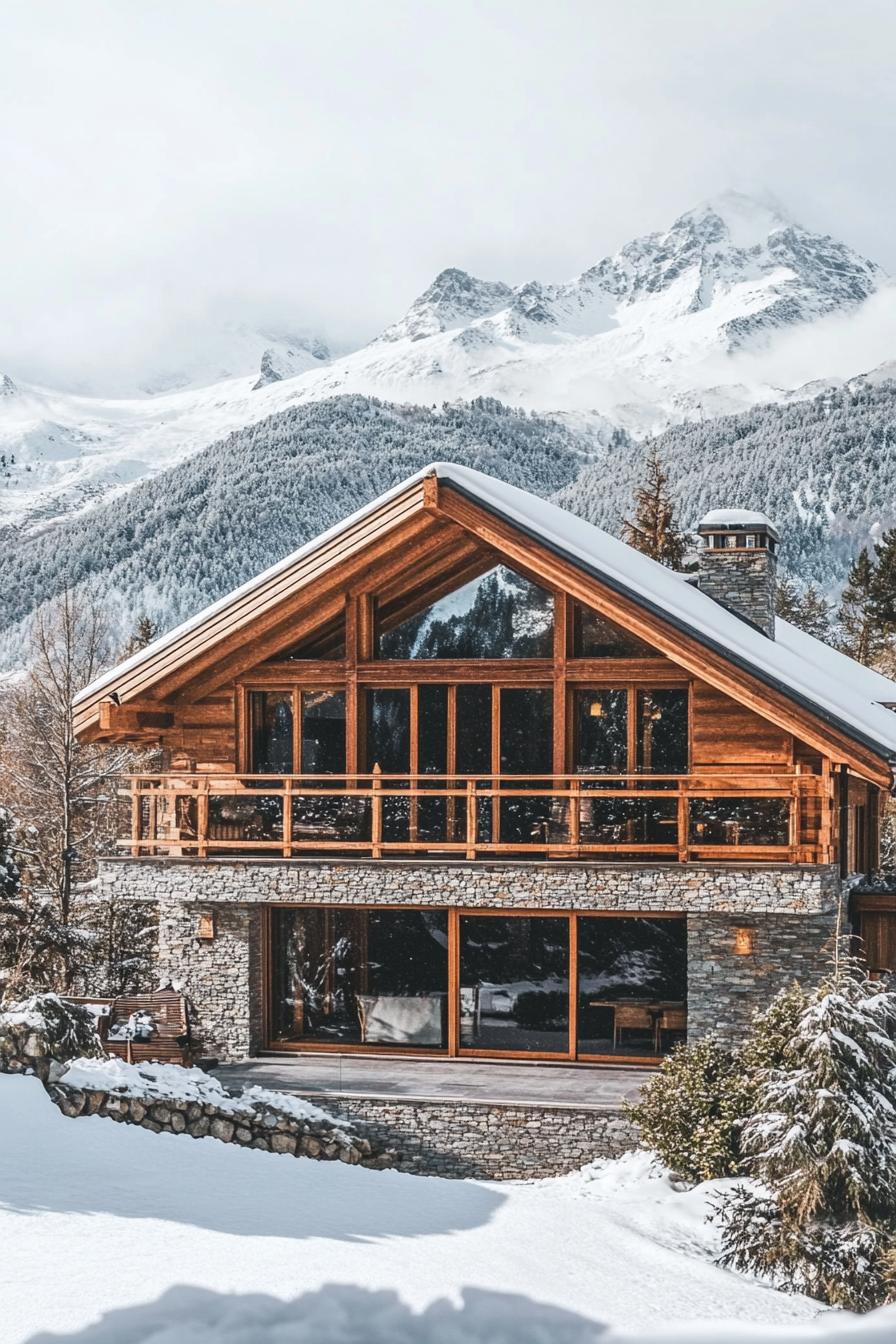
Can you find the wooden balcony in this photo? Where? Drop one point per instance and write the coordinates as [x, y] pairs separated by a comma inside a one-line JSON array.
[[736, 817]]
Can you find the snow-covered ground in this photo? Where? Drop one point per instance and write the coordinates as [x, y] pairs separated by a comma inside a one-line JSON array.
[[97, 1217]]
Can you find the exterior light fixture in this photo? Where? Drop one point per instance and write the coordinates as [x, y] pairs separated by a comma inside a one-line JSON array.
[[205, 926], [744, 940]]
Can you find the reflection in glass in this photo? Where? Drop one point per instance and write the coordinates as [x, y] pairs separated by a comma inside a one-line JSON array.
[[739, 821], [389, 747], [323, 732], [514, 983], [432, 759], [365, 977], [527, 716], [632, 988], [594, 636], [601, 723], [271, 731], [497, 615], [663, 732]]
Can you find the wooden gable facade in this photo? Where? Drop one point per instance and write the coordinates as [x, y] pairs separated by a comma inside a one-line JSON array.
[[492, 755]]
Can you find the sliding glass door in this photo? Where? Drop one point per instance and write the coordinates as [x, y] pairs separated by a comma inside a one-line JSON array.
[[527, 985]]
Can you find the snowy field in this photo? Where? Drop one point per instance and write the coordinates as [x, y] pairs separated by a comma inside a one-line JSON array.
[[97, 1217]]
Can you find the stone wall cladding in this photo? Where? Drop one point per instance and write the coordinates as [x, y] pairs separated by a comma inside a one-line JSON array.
[[222, 978], [489, 1141], [726, 990], [790, 889], [742, 581]]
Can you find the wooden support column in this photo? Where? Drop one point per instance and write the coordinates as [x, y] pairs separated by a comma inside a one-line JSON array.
[[825, 837], [453, 982], [573, 923], [843, 811], [352, 707]]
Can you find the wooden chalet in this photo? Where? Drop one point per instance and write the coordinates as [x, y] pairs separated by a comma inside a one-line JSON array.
[[467, 774]]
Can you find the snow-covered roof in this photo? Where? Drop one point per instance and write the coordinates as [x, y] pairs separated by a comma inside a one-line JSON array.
[[830, 684], [737, 518]]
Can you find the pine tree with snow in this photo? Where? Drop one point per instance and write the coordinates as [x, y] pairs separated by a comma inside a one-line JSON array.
[[654, 529], [144, 632], [805, 608], [861, 631], [820, 1144]]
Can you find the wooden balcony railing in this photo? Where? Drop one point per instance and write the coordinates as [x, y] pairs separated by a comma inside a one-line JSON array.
[[771, 817]]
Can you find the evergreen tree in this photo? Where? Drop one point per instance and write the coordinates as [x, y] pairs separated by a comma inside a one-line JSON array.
[[883, 589], [804, 607], [654, 529], [861, 631], [821, 1144], [145, 631]]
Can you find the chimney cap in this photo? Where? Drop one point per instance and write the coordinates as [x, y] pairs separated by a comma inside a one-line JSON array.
[[736, 520]]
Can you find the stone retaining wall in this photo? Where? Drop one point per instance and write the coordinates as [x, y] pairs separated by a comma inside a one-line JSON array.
[[261, 1127], [488, 1140]]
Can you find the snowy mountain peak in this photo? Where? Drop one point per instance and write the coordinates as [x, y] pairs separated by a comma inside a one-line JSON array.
[[747, 221], [454, 298]]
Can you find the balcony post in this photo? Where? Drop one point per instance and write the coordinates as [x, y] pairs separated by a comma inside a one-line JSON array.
[[202, 820], [135, 818], [683, 837], [471, 819], [287, 817], [376, 813]]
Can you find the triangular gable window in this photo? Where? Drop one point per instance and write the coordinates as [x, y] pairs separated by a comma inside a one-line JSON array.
[[497, 615]]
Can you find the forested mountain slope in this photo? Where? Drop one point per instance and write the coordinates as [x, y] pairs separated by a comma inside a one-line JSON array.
[[824, 470], [191, 534]]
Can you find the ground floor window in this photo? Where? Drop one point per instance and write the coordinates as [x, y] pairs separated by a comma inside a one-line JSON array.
[[360, 977], [559, 985]]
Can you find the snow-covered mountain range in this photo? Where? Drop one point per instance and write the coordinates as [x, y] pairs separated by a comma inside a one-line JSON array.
[[734, 305]]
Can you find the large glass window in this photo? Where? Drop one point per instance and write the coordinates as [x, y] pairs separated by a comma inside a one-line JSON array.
[[389, 747], [526, 746], [497, 615], [601, 732], [379, 977], [271, 732], [366, 977], [514, 983], [323, 732], [632, 984]]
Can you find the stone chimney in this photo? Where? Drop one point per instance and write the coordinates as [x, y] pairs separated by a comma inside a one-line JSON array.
[[737, 564]]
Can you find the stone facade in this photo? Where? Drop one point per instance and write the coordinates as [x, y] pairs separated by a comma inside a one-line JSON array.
[[743, 581], [791, 909], [761, 889], [725, 989]]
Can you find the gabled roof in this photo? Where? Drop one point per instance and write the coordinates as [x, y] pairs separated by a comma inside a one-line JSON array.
[[830, 685]]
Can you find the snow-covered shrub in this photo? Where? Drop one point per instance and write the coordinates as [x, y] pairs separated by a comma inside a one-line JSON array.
[[691, 1111], [44, 1028], [820, 1143], [688, 1111]]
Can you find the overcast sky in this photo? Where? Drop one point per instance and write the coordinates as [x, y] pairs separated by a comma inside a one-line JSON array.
[[172, 163]]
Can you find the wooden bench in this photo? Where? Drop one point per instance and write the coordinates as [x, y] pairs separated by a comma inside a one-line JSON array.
[[170, 1041]]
